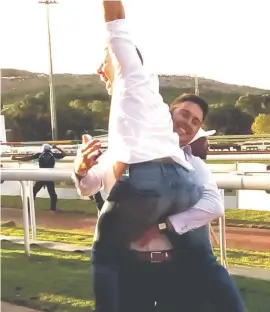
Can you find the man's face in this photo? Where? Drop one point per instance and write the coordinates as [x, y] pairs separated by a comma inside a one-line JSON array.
[[187, 120], [106, 71], [200, 148]]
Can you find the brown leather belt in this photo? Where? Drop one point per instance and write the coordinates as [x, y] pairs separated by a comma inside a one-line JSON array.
[[154, 256]]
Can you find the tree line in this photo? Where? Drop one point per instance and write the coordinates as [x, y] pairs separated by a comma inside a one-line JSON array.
[[82, 111]]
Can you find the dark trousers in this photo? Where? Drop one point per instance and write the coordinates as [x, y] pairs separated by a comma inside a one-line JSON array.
[[152, 191], [98, 199], [51, 190], [191, 282]]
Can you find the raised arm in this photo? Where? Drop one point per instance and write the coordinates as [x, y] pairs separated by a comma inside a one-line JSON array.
[[26, 157], [91, 183], [62, 153], [125, 56]]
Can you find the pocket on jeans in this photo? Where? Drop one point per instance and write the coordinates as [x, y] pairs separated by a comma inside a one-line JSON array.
[[146, 188], [146, 180]]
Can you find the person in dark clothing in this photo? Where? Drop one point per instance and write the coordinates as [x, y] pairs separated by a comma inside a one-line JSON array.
[[46, 159], [98, 199], [2, 181], [199, 144]]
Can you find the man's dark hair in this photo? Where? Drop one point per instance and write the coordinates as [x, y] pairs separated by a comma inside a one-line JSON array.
[[140, 55], [190, 98]]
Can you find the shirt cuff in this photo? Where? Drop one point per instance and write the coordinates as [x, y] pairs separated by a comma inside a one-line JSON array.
[[89, 185], [179, 227], [116, 25]]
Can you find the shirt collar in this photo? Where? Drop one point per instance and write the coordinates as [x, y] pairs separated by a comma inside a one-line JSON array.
[[187, 149]]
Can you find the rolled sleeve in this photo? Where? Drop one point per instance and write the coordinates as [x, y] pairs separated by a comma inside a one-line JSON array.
[[89, 184], [99, 178]]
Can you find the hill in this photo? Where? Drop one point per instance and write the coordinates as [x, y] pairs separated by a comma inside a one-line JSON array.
[[18, 83]]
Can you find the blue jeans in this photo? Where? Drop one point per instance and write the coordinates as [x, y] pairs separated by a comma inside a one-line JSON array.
[[193, 281], [213, 288], [105, 286], [152, 191]]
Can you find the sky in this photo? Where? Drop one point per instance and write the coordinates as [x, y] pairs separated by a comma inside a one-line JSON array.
[[226, 40]]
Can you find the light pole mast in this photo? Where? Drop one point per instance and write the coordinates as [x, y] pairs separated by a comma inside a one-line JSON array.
[[197, 92], [51, 78]]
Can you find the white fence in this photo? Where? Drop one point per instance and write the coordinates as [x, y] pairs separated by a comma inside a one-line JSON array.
[[221, 157], [229, 180]]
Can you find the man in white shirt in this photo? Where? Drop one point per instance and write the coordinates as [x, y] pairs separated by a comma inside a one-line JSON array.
[[153, 270], [161, 181], [114, 276]]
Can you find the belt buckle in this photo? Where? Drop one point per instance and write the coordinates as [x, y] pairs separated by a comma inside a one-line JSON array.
[[155, 253]]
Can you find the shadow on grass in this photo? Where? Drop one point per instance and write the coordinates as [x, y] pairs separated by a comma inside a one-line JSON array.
[[247, 258], [59, 281], [256, 293], [245, 224], [61, 236], [48, 280], [246, 253], [79, 206]]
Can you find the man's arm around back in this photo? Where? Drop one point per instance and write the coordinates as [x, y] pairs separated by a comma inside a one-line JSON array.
[[208, 208]]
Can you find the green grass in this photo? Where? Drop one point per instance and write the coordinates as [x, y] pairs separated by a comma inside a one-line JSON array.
[[234, 217], [235, 257], [248, 218], [61, 236], [48, 280], [59, 281], [43, 204]]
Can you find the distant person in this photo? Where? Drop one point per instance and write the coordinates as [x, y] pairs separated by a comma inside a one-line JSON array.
[[200, 145], [98, 200], [200, 148], [2, 181], [46, 159]]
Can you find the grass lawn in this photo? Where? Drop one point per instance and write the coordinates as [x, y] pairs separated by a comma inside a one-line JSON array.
[[59, 281], [61, 236], [235, 257], [234, 217], [247, 218], [48, 280], [42, 204]]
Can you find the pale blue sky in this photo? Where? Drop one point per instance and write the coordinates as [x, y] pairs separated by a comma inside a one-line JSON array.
[[227, 40]]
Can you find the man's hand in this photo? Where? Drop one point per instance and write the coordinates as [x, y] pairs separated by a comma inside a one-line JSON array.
[[87, 155]]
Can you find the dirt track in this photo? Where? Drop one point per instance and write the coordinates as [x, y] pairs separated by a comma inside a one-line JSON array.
[[240, 238]]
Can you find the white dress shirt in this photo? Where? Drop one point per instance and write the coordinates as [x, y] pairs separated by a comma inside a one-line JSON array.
[[140, 124], [209, 207]]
